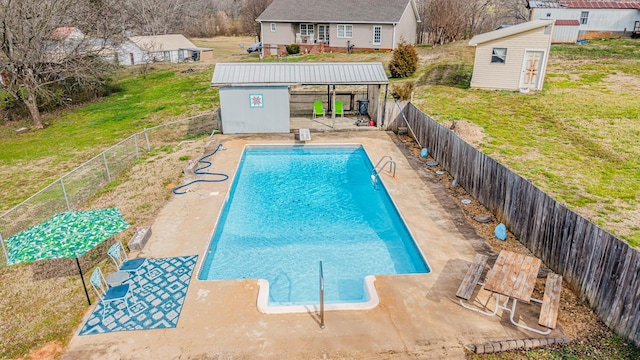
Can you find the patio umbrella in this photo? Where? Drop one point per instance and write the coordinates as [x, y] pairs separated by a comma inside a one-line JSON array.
[[66, 235]]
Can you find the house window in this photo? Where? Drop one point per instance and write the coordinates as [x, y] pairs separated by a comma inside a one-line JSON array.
[[377, 35], [306, 29], [273, 26], [549, 15], [499, 55], [584, 17], [345, 31], [166, 55]]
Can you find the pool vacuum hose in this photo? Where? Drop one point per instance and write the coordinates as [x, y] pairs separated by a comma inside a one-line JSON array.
[[199, 171]]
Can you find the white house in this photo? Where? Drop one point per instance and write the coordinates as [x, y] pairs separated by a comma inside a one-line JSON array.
[[512, 58], [597, 19], [338, 25], [172, 48]]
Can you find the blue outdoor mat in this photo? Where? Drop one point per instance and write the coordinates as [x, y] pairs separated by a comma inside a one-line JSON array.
[[158, 292]]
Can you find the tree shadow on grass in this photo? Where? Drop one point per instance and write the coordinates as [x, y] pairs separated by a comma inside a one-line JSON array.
[[454, 75]]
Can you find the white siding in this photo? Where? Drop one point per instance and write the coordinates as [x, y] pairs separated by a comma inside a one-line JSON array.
[[507, 76], [564, 34], [363, 36], [238, 117], [284, 34], [124, 54], [599, 19], [407, 27]]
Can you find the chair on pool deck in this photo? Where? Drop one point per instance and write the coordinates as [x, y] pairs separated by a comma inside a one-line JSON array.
[[109, 294], [317, 109], [339, 108], [119, 256]]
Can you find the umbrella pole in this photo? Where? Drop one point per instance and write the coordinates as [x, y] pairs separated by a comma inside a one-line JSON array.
[[83, 284]]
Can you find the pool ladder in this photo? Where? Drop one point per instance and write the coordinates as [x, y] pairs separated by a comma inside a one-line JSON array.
[[321, 297], [375, 172]]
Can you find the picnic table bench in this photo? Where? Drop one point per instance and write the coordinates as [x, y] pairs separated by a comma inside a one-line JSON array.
[[550, 301], [472, 278]]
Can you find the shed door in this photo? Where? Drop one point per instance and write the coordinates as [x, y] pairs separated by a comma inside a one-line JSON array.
[[531, 67]]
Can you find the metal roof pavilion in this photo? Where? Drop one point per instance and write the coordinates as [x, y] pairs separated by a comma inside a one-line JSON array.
[[286, 74]]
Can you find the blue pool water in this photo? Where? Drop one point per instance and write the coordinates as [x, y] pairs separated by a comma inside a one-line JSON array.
[[291, 207]]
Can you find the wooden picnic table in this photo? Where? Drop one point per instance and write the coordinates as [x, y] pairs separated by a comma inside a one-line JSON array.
[[513, 275]]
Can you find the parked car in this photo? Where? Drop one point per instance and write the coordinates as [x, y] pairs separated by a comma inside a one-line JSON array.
[[254, 47]]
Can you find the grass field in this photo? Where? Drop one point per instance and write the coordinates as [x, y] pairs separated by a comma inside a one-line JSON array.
[[30, 161], [577, 140]]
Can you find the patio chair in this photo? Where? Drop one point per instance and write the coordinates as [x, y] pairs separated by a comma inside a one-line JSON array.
[[317, 109], [119, 256], [109, 294], [339, 109]]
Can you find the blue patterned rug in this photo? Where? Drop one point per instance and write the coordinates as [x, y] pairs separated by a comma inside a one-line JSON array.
[[158, 292]]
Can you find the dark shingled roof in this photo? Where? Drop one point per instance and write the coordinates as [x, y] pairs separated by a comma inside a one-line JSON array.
[[332, 11]]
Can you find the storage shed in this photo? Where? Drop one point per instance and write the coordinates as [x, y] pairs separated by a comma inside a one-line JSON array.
[[565, 32], [254, 97], [512, 58]]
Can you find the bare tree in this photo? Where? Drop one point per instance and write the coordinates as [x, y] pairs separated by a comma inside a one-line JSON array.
[[159, 17], [250, 11], [446, 21], [48, 42]]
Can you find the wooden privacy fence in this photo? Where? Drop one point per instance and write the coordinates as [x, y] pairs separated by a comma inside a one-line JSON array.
[[601, 267]]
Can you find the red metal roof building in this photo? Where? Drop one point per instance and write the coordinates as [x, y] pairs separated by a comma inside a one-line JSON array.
[[596, 19]]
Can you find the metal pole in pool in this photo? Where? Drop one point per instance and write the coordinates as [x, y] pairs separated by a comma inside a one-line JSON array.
[[321, 298]]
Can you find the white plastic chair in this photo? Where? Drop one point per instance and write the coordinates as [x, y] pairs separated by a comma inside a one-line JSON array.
[[119, 256], [109, 294]]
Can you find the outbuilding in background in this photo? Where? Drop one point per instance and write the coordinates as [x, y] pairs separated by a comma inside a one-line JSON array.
[[512, 58]]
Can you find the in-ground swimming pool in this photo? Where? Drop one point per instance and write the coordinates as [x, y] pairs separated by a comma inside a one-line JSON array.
[[291, 207]]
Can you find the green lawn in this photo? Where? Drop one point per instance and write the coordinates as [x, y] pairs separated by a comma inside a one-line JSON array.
[[33, 160], [578, 139]]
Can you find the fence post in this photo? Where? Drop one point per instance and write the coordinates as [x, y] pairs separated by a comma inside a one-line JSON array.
[[4, 249], [64, 192], [146, 136], [106, 166], [135, 141]]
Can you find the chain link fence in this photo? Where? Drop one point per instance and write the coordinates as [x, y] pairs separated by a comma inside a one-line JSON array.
[[73, 189]]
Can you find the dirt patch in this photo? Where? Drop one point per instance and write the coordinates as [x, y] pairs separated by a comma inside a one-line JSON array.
[[576, 318], [469, 132], [621, 82], [52, 350]]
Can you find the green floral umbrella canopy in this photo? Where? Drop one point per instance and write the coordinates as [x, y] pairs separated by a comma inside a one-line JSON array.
[[66, 235]]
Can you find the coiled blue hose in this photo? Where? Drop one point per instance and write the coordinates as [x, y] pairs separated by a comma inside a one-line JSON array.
[[199, 171]]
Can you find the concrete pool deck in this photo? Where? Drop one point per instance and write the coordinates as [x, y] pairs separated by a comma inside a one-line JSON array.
[[418, 316]]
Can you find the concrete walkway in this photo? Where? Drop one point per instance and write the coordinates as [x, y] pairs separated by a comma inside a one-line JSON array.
[[418, 315]]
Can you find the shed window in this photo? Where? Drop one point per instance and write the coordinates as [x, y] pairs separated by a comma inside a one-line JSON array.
[[345, 30], [166, 55], [499, 55], [584, 17], [306, 29], [273, 26]]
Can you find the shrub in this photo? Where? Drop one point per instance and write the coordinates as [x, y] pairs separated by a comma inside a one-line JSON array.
[[404, 62], [293, 49], [402, 90]]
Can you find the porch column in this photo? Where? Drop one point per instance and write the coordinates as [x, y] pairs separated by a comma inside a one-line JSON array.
[[333, 106]]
